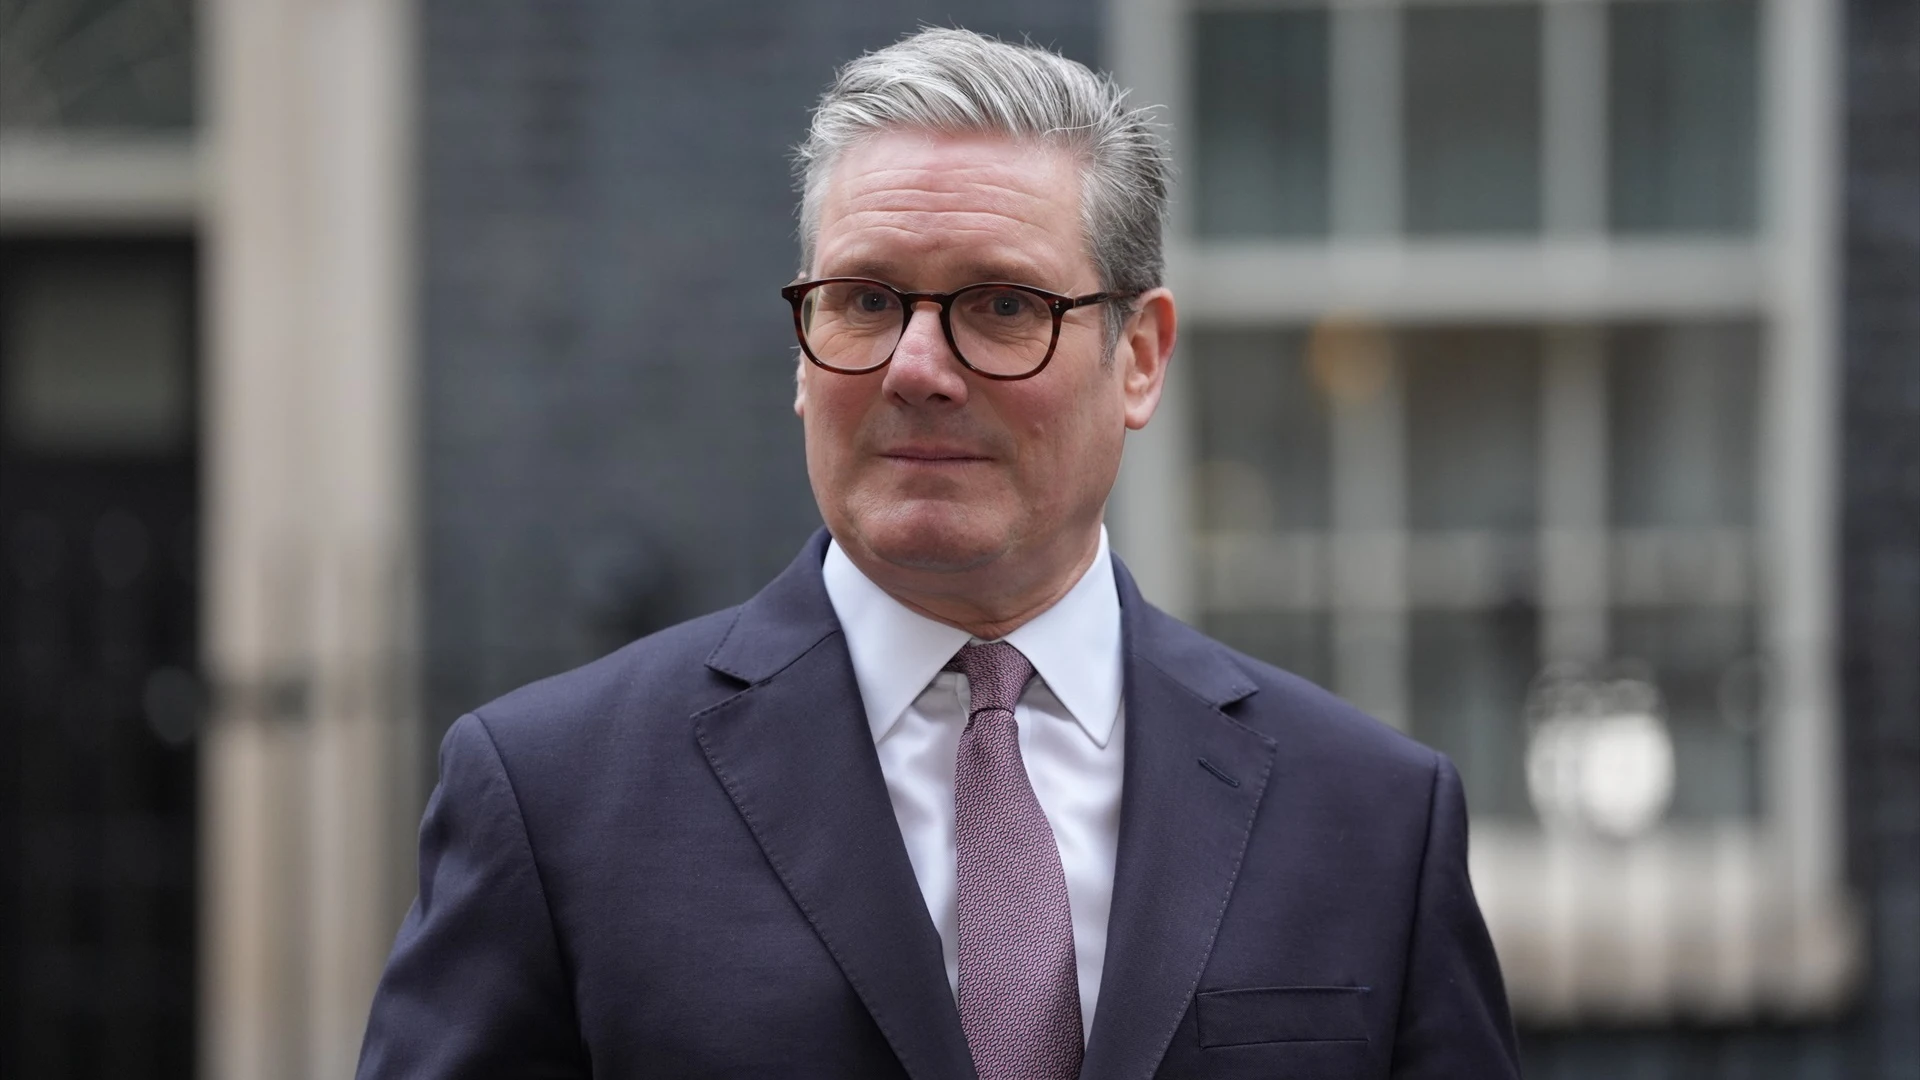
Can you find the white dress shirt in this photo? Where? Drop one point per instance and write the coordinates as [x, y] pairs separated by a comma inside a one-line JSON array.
[[1070, 720]]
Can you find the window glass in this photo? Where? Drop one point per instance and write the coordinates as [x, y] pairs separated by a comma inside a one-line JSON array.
[[1682, 409], [1468, 673], [1472, 417], [96, 64], [1681, 404], [1294, 640], [1263, 432], [1262, 490], [1682, 108], [73, 381], [1702, 661], [1534, 546], [1260, 114], [1472, 407], [1471, 84], [1680, 621]]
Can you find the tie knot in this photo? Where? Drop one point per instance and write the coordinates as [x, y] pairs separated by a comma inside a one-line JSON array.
[[996, 674]]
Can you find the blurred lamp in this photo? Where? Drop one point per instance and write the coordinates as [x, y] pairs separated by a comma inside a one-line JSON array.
[[1600, 758]]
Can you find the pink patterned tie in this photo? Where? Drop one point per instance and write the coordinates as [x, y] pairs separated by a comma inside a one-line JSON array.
[[1019, 985]]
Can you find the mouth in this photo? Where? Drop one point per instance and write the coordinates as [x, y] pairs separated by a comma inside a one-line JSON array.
[[932, 456]]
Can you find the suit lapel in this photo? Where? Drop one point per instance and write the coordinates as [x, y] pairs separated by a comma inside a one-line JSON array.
[[794, 752], [1194, 779]]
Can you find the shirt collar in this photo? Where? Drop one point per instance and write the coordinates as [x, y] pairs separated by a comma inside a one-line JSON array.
[[896, 651]]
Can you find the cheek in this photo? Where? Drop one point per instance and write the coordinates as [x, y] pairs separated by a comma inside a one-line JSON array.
[[1069, 445], [833, 416]]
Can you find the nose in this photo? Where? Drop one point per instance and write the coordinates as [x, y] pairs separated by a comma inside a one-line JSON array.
[[924, 369]]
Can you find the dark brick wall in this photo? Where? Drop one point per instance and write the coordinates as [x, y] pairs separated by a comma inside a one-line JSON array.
[[1880, 523], [607, 215]]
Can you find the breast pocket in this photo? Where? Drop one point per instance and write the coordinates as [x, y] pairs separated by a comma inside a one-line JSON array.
[[1281, 1014]]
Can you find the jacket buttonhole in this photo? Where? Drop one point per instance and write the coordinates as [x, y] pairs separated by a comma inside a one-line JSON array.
[[1218, 774]]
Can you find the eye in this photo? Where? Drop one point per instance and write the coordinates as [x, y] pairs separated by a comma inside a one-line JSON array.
[[860, 303], [1004, 304]]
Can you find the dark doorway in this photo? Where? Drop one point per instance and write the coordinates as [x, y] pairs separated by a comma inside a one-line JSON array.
[[99, 687]]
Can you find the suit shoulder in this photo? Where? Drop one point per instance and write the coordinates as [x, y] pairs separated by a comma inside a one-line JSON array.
[[664, 673]]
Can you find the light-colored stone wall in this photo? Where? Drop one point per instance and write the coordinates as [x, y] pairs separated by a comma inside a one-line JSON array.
[[310, 762]]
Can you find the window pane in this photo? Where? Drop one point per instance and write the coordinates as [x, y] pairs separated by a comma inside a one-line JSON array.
[[1683, 115], [1702, 662], [1260, 104], [1293, 640], [1263, 493], [72, 381], [1473, 407], [1681, 425], [1467, 685], [1263, 432], [96, 63], [1682, 403], [1472, 116]]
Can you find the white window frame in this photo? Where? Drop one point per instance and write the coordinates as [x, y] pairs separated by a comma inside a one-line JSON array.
[[1712, 921]]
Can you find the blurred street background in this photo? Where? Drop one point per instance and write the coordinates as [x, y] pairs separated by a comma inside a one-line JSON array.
[[1549, 385]]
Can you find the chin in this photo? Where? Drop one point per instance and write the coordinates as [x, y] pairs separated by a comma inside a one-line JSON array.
[[941, 538]]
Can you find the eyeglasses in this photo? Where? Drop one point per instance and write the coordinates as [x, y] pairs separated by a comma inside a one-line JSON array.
[[997, 329]]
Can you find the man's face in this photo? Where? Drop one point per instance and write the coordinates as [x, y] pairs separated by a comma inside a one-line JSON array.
[[924, 466]]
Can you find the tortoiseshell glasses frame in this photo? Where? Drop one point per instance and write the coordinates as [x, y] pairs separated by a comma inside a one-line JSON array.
[[1019, 364]]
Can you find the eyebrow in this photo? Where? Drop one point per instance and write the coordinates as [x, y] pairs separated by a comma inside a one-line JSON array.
[[1014, 273]]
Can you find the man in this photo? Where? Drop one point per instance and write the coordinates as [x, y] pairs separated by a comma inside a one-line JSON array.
[[948, 797]]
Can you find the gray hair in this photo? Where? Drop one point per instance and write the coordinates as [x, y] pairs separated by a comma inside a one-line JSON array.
[[959, 82]]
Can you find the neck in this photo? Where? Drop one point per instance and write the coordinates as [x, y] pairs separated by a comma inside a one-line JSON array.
[[986, 613]]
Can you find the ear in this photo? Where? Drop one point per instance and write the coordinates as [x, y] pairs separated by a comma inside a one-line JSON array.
[[1145, 348], [800, 385]]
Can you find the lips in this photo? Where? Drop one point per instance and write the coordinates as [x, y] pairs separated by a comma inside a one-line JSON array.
[[932, 455]]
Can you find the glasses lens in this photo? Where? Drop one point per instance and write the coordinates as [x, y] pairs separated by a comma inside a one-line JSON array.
[[851, 325], [1002, 330]]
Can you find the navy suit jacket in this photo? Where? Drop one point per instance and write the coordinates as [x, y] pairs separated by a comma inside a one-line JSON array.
[[681, 861]]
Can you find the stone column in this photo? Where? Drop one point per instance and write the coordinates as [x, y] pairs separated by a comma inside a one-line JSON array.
[[310, 764]]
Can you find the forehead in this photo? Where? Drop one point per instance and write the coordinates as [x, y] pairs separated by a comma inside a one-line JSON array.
[[927, 210]]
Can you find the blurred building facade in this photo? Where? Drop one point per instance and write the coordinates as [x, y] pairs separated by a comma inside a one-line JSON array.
[[1549, 386]]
